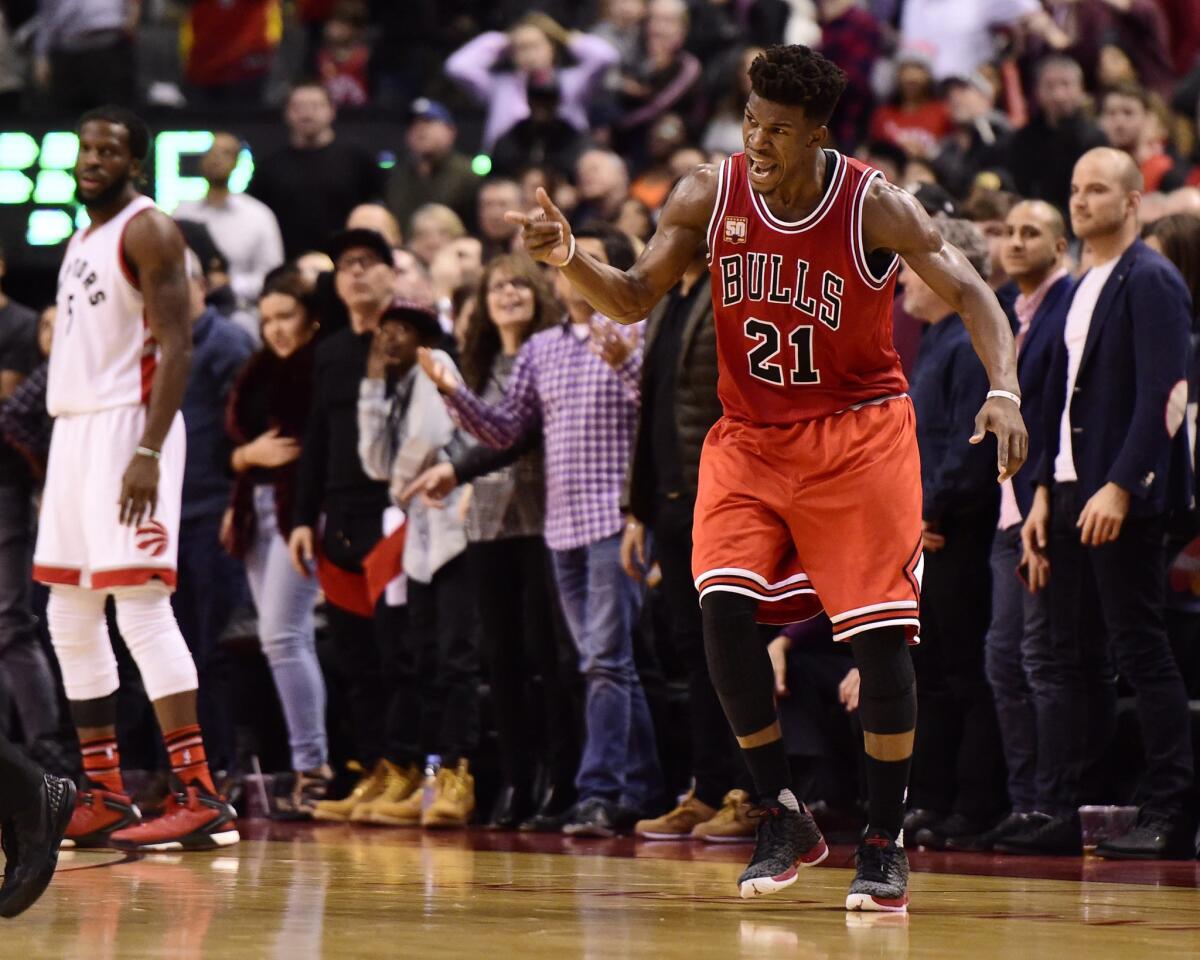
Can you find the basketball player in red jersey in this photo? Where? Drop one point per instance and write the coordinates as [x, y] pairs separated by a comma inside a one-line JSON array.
[[810, 489], [109, 523]]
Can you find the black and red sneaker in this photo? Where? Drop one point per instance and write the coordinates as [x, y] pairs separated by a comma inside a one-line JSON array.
[[786, 841], [97, 815], [881, 878], [193, 819], [31, 838]]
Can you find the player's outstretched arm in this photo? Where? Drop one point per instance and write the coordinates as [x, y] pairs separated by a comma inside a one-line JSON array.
[[627, 296], [894, 220], [155, 248]]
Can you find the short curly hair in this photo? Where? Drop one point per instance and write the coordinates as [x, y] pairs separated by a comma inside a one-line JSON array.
[[137, 131], [798, 76]]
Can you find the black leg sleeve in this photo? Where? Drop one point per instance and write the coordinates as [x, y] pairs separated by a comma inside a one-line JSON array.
[[738, 662], [745, 683], [887, 705]]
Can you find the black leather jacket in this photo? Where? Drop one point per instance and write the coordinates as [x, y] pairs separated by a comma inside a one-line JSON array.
[[696, 405]]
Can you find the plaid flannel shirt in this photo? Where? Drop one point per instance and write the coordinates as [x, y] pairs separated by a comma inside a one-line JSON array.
[[587, 412]]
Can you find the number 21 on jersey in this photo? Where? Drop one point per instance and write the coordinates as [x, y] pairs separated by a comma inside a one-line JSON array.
[[769, 364], [758, 276]]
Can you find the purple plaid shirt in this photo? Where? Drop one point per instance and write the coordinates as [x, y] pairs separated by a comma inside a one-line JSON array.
[[587, 411]]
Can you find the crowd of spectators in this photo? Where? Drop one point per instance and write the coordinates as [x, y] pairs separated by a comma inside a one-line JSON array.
[[456, 502]]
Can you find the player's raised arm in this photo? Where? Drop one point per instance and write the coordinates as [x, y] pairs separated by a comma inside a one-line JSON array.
[[894, 220], [627, 296], [155, 248]]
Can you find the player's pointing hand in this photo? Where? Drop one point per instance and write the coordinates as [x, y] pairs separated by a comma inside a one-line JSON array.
[[1002, 416], [545, 233]]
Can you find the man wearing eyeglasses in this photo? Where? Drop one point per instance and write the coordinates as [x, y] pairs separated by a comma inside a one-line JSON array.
[[331, 484]]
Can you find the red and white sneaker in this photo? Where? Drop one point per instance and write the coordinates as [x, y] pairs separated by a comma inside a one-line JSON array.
[[193, 819], [880, 882], [97, 815], [786, 842]]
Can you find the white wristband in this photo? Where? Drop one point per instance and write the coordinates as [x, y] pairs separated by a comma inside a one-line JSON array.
[[1005, 395], [570, 254]]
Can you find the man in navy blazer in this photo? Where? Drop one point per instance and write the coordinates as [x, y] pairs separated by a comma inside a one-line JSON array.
[[957, 782], [1116, 400], [1032, 254]]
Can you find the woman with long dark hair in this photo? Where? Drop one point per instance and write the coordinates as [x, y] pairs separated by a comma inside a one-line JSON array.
[[1177, 237], [266, 417]]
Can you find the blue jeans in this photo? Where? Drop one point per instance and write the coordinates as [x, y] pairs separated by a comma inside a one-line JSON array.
[[601, 603], [285, 628], [1019, 619]]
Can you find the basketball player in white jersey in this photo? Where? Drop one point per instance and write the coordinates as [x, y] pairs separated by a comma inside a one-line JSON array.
[[110, 512]]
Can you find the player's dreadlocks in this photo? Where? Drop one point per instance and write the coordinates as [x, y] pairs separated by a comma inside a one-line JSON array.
[[798, 76]]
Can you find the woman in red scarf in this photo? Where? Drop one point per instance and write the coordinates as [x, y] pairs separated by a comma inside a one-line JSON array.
[[266, 417]]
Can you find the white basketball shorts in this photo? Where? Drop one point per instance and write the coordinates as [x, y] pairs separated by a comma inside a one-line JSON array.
[[81, 541]]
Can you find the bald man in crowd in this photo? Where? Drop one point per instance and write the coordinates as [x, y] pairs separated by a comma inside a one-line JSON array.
[[377, 217], [603, 183], [1114, 466]]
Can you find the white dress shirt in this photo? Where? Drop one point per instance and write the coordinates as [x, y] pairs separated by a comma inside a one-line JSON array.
[[247, 233], [1079, 321]]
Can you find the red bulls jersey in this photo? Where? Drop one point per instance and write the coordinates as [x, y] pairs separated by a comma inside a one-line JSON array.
[[803, 318]]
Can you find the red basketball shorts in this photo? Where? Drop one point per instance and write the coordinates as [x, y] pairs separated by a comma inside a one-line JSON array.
[[824, 514]]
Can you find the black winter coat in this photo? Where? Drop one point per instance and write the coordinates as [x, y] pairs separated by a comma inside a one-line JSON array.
[[697, 407]]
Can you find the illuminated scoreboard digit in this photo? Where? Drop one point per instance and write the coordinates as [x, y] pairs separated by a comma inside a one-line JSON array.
[[171, 187], [37, 175]]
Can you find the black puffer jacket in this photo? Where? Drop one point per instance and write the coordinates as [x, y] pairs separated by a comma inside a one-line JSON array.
[[696, 405]]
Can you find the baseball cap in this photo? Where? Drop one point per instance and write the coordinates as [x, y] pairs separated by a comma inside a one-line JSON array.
[[935, 199], [371, 240], [425, 109]]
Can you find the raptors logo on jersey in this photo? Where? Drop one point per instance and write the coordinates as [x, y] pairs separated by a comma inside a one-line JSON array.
[[803, 316], [102, 355], [152, 538], [101, 372]]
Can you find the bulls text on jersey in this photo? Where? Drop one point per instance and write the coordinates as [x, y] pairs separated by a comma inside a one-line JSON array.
[[759, 276]]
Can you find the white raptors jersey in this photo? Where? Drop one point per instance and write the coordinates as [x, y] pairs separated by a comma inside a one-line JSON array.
[[102, 355]]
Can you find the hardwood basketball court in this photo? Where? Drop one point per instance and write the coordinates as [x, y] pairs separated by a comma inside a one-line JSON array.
[[312, 891]]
